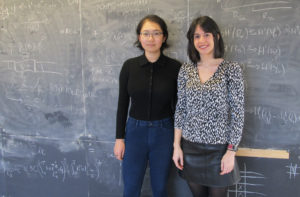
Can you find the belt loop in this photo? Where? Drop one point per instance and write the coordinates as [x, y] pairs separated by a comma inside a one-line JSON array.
[[136, 123], [161, 124]]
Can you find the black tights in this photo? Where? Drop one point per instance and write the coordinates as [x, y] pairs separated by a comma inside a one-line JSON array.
[[204, 191]]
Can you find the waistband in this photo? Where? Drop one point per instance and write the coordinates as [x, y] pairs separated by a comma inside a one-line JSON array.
[[150, 122]]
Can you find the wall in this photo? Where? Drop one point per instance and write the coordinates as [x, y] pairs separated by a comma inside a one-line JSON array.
[[59, 67]]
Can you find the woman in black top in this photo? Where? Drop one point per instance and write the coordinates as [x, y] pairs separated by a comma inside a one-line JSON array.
[[209, 114], [149, 83]]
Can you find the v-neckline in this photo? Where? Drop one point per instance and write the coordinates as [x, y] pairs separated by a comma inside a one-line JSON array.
[[211, 77]]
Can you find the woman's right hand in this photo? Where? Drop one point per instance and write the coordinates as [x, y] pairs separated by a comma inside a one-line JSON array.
[[178, 157], [119, 149]]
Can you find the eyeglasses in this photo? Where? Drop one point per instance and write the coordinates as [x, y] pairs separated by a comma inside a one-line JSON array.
[[155, 34]]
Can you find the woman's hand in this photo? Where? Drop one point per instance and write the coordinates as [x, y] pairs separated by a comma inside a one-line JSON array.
[[119, 149], [178, 157], [227, 162]]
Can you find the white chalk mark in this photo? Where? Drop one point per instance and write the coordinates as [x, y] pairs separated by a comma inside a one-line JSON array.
[[22, 66], [252, 177], [14, 99], [2, 164], [241, 189], [293, 171], [265, 9], [244, 194], [255, 4], [36, 22], [252, 172], [245, 181], [250, 184], [110, 65], [32, 137], [82, 67]]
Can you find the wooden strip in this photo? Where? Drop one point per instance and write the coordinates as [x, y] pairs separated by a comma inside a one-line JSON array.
[[265, 153]]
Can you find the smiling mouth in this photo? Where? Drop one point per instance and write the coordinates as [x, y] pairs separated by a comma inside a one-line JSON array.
[[203, 47]]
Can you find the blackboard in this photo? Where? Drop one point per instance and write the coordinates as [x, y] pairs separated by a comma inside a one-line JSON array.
[[59, 67]]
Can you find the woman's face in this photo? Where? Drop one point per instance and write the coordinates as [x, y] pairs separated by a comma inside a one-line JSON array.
[[151, 37], [204, 42]]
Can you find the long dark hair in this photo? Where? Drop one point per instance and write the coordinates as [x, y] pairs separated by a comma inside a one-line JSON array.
[[210, 26], [155, 19]]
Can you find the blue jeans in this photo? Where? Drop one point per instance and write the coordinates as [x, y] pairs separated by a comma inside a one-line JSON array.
[[147, 141]]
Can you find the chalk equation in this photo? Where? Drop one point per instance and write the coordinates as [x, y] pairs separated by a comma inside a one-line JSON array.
[[61, 170], [246, 187], [247, 32], [267, 115], [121, 5], [257, 50], [270, 67], [273, 32], [58, 89]]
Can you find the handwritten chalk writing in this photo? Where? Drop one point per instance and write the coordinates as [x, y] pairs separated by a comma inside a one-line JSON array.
[[4, 13], [289, 117], [246, 32], [108, 71], [41, 151], [263, 32], [275, 68], [238, 16], [265, 15], [118, 36], [260, 50], [292, 170], [69, 31], [131, 25], [65, 169], [34, 25], [59, 89], [25, 5], [267, 115], [125, 14], [264, 50], [105, 82], [31, 65], [242, 189], [26, 49], [29, 47], [263, 114], [122, 4], [109, 35], [72, 2], [107, 6], [292, 30], [239, 49]]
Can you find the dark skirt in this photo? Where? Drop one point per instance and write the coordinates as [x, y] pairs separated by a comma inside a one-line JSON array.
[[202, 165]]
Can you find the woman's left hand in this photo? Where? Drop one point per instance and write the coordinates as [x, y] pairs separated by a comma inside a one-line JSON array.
[[227, 162]]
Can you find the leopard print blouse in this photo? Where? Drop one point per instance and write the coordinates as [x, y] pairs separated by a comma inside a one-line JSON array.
[[211, 112]]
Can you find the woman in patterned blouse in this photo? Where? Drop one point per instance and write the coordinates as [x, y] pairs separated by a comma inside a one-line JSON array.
[[209, 115]]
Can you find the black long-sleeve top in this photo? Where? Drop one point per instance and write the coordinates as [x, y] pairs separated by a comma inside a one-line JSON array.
[[151, 89]]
